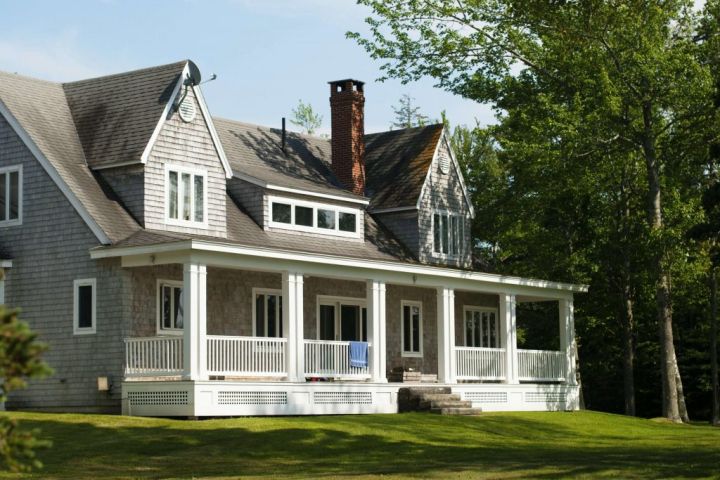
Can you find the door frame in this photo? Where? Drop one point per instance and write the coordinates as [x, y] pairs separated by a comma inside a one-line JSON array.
[[337, 302]]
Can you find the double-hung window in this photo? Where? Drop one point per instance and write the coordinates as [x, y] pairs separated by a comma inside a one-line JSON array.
[[186, 198], [411, 326], [170, 307], [84, 306], [448, 233], [268, 313], [11, 195]]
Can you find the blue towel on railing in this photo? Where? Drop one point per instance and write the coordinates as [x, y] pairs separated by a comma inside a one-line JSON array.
[[359, 354]]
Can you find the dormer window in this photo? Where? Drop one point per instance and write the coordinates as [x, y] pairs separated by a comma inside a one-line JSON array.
[[186, 196], [292, 214], [448, 234]]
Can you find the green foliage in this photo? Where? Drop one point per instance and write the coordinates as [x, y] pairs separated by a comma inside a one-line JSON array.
[[412, 445], [20, 359], [305, 117], [407, 115]]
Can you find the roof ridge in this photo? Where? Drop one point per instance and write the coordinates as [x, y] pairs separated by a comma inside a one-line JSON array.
[[28, 77], [127, 72]]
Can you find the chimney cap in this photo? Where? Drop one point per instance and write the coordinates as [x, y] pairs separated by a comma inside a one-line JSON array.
[[356, 82]]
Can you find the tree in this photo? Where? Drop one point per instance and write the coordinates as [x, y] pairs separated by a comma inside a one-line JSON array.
[[305, 117], [20, 359], [599, 81], [407, 115]]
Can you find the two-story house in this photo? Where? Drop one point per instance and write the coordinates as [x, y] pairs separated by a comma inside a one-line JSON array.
[[180, 264]]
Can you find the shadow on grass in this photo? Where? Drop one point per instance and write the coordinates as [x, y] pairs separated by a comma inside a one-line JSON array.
[[412, 444]]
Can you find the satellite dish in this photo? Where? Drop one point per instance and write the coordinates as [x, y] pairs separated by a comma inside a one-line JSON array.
[[194, 76]]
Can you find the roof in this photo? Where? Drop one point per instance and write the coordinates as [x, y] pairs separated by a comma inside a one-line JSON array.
[[116, 115], [399, 154], [42, 112], [256, 151]]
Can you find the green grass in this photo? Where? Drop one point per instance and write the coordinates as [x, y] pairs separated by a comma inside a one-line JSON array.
[[493, 445]]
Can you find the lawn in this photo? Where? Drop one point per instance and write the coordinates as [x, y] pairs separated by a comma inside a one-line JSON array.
[[493, 445]]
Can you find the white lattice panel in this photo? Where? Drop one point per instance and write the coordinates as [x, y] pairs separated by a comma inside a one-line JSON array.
[[487, 397], [347, 398], [158, 398], [252, 398], [545, 397]]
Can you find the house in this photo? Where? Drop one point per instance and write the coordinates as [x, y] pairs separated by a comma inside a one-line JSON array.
[[179, 264]]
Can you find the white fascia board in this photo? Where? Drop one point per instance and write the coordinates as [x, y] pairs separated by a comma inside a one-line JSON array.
[[5, 263], [297, 191], [213, 133], [199, 246], [164, 116], [54, 175]]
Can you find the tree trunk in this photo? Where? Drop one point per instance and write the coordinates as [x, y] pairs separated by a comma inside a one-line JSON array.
[[578, 377], [715, 418], [628, 353], [670, 409], [680, 394]]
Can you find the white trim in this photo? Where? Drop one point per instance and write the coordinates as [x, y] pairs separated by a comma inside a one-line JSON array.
[[158, 307], [84, 282], [5, 263], [336, 232], [460, 241], [403, 352], [393, 210], [213, 133], [8, 170], [266, 291], [193, 172], [262, 183], [337, 303], [166, 112], [482, 309], [54, 175], [344, 263]]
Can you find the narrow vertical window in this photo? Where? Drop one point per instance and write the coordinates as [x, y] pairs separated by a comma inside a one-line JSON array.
[[268, 314], [3, 196], [173, 195], [411, 329], [444, 232], [170, 307], [186, 195], [11, 195], [437, 243], [84, 306], [199, 198]]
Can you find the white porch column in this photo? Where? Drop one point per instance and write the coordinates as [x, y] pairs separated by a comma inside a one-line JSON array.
[[194, 321], [292, 303], [376, 329], [446, 334], [508, 330], [567, 339]]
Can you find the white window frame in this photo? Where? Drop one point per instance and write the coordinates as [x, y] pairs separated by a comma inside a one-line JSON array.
[[404, 353], [84, 282], [315, 206], [17, 221], [338, 302], [180, 169], [266, 291], [481, 309], [437, 250], [158, 299]]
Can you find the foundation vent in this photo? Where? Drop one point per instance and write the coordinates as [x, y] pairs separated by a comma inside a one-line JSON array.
[[545, 397], [345, 398], [158, 398], [486, 397], [252, 398]]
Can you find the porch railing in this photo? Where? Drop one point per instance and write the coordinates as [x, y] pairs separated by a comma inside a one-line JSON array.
[[541, 365], [331, 359], [473, 363], [153, 356], [246, 356]]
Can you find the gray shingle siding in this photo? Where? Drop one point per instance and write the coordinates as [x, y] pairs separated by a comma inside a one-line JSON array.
[[128, 183], [404, 226], [49, 251], [251, 197], [187, 145]]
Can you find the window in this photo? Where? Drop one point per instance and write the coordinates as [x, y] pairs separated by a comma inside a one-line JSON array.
[[11, 195], [411, 329], [481, 327], [186, 196], [291, 214], [170, 307], [448, 234], [267, 312], [84, 307], [342, 318]]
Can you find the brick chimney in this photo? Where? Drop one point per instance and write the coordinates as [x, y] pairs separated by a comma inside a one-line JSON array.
[[347, 103]]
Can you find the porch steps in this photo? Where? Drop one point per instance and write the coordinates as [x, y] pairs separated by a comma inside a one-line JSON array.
[[438, 400]]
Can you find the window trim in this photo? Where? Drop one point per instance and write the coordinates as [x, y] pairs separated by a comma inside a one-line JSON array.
[[337, 302], [84, 282], [461, 247], [403, 352], [180, 169], [17, 221], [158, 308], [264, 291], [270, 199], [482, 309]]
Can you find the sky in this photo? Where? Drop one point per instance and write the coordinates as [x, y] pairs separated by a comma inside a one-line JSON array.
[[267, 54]]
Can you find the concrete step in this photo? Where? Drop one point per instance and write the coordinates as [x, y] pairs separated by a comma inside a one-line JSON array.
[[440, 397], [467, 411], [435, 404], [417, 391]]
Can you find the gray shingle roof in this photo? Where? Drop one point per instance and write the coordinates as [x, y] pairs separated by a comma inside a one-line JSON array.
[[116, 115], [41, 109]]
